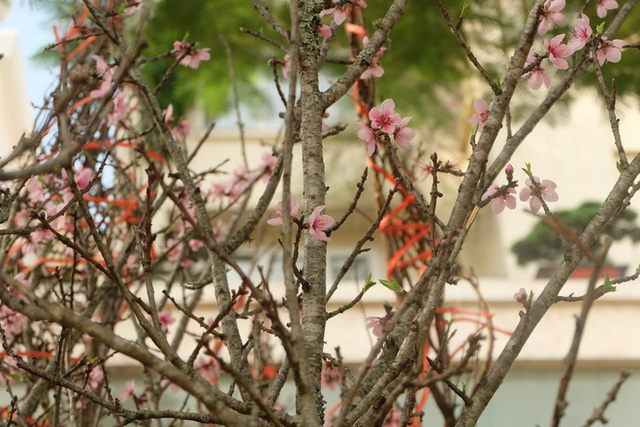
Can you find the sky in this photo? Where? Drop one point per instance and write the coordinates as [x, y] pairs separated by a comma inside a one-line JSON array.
[[34, 28]]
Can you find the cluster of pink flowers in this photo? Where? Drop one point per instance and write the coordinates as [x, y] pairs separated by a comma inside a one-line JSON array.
[[556, 51], [317, 222], [49, 193], [385, 121], [191, 57], [504, 196]]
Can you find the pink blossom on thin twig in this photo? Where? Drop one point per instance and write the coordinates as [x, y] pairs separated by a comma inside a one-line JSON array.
[[581, 33], [318, 223], [547, 191], [558, 51], [550, 14], [482, 113], [610, 51]]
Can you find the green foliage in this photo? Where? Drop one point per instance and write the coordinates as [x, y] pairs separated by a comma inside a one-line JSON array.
[[424, 54], [368, 283], [543, 244], [608, 286], [209, 85], [391, 284]]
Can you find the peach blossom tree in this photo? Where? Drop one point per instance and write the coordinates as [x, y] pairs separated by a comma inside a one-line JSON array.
[[111, 239]]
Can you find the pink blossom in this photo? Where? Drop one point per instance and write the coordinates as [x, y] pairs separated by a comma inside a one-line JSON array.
[[498, 203], [318, 223], [556, 51], [384, 117], [482, 113], [165, 318], [103, 89], [191, 57], [610, 51], [547, 190], [602, 6], [119, 111], [375, 324], [268, 164], [102, 67], [581, 33], [11, 321], [365, 42], [35, 190], [425, 169], [83, 177], [179, 130], [521, 296], [331, 376], [286, 66], [404, 134], [393, 419], [537, 75], [294, 206], [208, 368], [551, 14], [325, 31], [339, 15], [195, 244], [366, 134], [95, 379], [374, 70], [129, 390], [135, 5]]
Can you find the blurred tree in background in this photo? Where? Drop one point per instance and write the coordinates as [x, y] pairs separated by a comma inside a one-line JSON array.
[[431, 80]]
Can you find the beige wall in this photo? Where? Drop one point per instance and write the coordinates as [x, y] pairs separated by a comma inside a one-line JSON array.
[[15, 112]]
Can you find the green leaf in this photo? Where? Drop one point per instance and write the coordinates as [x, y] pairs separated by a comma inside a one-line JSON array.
[[17, 377], [465, 6], [619, 167], [392, 285], [608, 286], [600, 28], [368, 283]]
